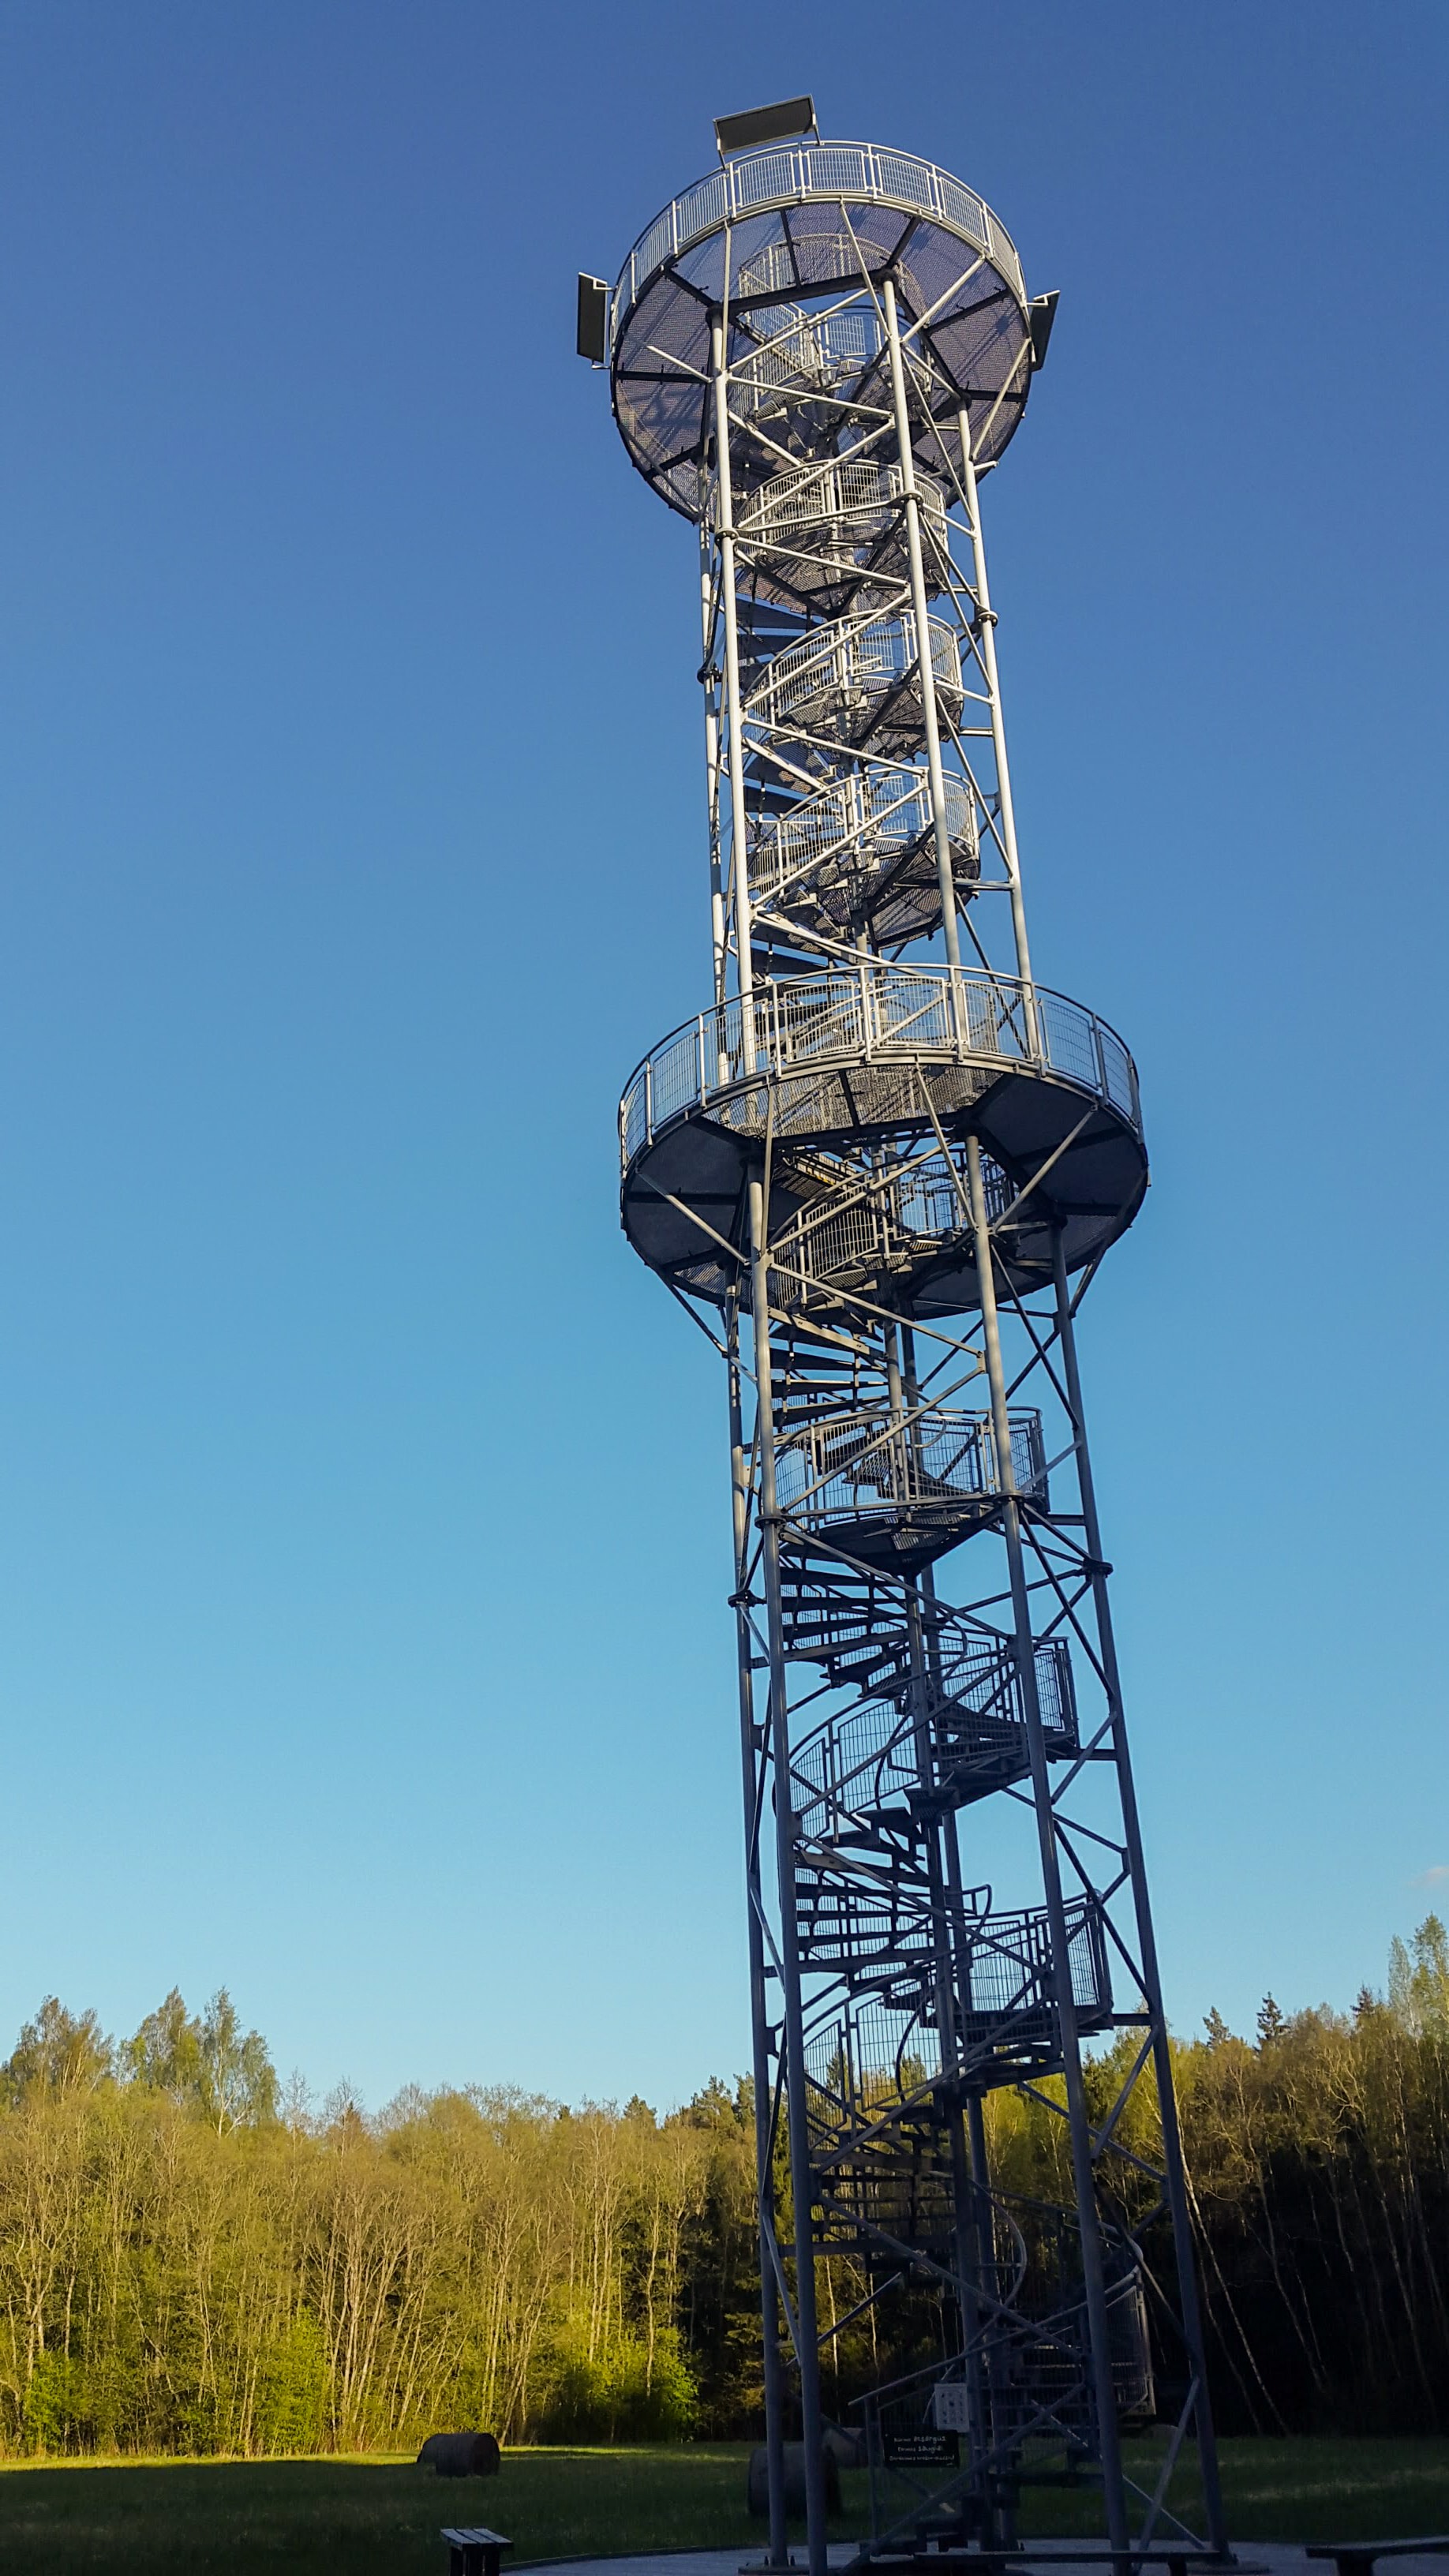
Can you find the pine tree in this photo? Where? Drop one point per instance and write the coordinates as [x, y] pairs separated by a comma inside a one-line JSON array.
[[1271, 2022]]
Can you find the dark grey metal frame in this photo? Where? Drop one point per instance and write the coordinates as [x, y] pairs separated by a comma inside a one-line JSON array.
[[882, 1191]]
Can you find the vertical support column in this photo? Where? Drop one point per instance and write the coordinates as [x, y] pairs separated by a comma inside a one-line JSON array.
[[903, 1394], [807, 2335], [970, 2163], [987, 620], [943, 1870], [718, 941], [1176, 2187], [945, 873], [1093, 2266], [734, 731], [750, 1764], [999, 2523]]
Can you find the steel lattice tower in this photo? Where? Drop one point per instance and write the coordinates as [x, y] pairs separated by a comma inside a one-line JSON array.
[[883, 1189]]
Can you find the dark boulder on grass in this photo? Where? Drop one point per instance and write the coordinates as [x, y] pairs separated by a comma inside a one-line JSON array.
[[460, 2455], [758, 2487]]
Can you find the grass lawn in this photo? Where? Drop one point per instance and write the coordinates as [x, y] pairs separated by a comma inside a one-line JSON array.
[[382, 2518], [240, 2515], [1322, 2490]]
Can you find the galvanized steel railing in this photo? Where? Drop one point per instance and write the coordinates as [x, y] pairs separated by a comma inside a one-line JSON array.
[[862, 823], [851, 670], [868, 1758], [793, 174], [874, 1013], [859, 2057], [830, 498], [846, 1465]]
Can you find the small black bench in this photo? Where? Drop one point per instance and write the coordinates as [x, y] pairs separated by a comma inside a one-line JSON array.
[[474, 2552], [1356, 2557]]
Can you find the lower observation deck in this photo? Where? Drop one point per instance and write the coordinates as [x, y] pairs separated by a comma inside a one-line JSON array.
[[830, 1067]]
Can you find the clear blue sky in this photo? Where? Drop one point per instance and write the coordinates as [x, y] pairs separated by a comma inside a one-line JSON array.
[[364, 1536]]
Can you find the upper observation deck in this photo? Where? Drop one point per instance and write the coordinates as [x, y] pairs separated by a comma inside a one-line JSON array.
[[793, 242]]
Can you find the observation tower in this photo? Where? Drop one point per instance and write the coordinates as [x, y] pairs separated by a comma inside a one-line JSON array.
[[880, 1167]]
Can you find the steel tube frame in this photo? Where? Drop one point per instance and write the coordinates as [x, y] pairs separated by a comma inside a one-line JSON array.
[[779, 2552], [1093, 2266], [905, 1405], [802, 2188], [796, 1024], [1174, 2176], [987, 621], [734, 732], [945, 1859], [719, 940], [945, 872]]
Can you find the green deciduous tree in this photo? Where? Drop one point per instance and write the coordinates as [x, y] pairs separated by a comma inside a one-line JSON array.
[[186, 2267], [58, 2052], [208, 2063]]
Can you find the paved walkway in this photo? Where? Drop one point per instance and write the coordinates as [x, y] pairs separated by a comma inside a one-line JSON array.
[[699, 2562], [1281, 2558], [696, 2562]]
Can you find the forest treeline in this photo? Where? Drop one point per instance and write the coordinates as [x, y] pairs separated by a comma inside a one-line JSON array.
[[193, 2261]]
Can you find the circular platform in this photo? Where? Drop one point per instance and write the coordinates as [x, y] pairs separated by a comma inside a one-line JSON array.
[[800, 224], [837, 1065]]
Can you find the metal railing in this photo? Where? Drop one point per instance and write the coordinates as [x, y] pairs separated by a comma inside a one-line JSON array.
[[862, 2055], [793, 175], [821, 1247], [1037, 2376], [869, 1760], [861, 1930], [842, 1466], [776, 269], [904, 1219], [837, 529], [804, 353], [841, 677], [980, 1681], [868, 1013], [859, 825], [832, 502]]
